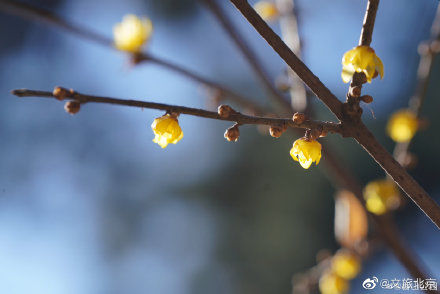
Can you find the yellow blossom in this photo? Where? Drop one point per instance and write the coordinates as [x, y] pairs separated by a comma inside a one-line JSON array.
[[331, 283], [346, 264], [131, 34], [167, 130], [381, 196], [267, 10], [361, 59], [306, 152], [402, 125]]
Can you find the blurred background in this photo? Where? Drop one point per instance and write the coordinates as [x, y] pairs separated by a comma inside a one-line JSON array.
[[89, 204]]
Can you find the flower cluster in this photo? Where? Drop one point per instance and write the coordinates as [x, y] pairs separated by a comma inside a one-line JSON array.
[[132, 33], [345, 266], [381, 196], [361, 59]]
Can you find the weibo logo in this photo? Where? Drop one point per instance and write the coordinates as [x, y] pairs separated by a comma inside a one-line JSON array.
[[370, 283]]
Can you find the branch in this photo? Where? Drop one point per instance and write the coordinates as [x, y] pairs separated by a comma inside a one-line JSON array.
[[40, 15], [247, 52], [305, 74], [428, 52], [237, 117], [290, 34], [368, 26], [358, 130]]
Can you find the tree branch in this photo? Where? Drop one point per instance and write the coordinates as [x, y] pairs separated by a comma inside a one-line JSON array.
[[358, 130], [368, 26], [428, 52], [305, 74], [40, 15], [237, 117], [247, 52]]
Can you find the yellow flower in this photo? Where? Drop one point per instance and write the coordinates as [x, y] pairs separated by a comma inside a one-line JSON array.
[[167, 130], [331, 283], [267, 10], [381, 196], [345, 264], [361, 59], [306, 152], [402, 125], [131, 34]]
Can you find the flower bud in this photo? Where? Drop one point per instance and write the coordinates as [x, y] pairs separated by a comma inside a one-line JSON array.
[[72, 107], [355, 91], [232, 133], [299, 118], [224, 111], [277, 131], [61, 93], [366, 99]]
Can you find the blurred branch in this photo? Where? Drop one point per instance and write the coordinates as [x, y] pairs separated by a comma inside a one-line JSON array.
[[43, 16], [352, 121], [289, 32], [237, 117], [247, 51], [428, 52]]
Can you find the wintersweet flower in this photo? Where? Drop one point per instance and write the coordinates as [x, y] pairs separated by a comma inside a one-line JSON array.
[[361, 59], [132, 33], [331, 283], [402, 126], [381, 196], [167, 130], [346, 264], [306, 151], [267, 10]]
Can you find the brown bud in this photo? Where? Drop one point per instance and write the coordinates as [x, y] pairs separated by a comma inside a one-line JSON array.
[[355, 91], [232, 133], [61, 93], [72, 107], [277, 131], [366, 98], [299, 118], [225, 111]]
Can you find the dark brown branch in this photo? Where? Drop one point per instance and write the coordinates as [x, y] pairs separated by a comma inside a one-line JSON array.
[[235, 117], [398, 173], [388, 231], [40, 15], [247, 52], [358, 130], [368, 26], [306, 75]]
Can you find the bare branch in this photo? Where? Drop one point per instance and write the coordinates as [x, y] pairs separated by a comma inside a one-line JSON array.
[[40, 15], [237, 117], [247, 52]]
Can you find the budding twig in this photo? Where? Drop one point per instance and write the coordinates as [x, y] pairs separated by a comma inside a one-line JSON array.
[[237, 117]]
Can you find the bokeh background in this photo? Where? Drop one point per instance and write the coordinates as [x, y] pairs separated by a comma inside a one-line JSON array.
[[89, 204]]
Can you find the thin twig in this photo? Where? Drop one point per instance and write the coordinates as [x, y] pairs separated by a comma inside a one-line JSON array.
[[43, 16], [237, 117], [289, 32], [306, 75], [358, 130], [247, 52]]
